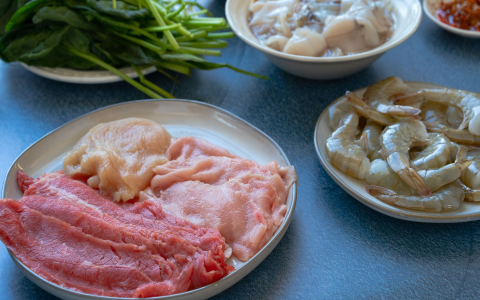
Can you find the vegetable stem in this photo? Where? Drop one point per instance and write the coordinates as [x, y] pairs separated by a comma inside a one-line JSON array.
[[117, 72], [161, 22], [150, 84]]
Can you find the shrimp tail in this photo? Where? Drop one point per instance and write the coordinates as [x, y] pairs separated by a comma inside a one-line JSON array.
[[363, 109], [465, 123], [376, 191], [409, 99], [413, 179], [363, 141], [404, 111]]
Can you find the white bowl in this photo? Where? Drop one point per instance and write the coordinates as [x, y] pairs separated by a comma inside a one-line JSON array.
[[431, 7], [407, 14]]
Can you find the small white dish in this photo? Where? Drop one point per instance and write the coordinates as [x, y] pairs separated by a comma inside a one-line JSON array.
[[356, 188], [180, 118], [84, 77], [431, 7], [407, 14]]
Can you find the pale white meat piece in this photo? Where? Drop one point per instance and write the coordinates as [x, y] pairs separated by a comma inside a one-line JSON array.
[[118, 157]]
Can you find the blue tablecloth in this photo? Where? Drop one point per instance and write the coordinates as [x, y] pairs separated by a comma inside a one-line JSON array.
[[336, 247]]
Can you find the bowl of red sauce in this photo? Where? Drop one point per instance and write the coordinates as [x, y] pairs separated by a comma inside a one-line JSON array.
[[461, 17]]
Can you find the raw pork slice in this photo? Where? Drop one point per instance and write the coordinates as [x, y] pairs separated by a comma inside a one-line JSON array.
[[211, 187], [118, 157]]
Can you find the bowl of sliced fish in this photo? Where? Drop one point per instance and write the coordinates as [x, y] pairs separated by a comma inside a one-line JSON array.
[[326, 40], [406, 149]]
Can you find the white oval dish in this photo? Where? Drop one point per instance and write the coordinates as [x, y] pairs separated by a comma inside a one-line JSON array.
[[180, 118], [431, 7], [356, 188], [84, 77], [408, 14]]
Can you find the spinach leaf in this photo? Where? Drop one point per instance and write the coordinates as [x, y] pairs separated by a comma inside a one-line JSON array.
[[123, 10], [25, 12], [63, 14], [24, 44], [129, 52], [7, 9]]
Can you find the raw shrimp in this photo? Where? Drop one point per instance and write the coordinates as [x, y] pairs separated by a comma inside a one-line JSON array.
[[459, 136], [434, 112], [454, 116], [468, 102], [380, 95], [370, 139], [363, 109], [337, 111], [343, 152], [396, 140], [471, 176], [471, 195], [436, 154], [448, 198], [382, 175]]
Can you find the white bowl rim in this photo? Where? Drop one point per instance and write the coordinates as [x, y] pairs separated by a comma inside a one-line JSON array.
[[459, 31], [227, 281], [376, 51]]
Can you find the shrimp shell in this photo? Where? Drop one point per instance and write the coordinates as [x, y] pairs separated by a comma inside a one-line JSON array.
[[363, 109], [380, 94], [370, 139], [395, 141], [459, 136], [471, 176], [337, 111], [436, 154], [381, 175], [448, 198], [468, 102], [343, 152]]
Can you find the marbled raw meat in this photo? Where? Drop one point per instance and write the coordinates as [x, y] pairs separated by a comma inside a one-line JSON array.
[[66, 256], [211, 187], [80, 206], [118, 157]]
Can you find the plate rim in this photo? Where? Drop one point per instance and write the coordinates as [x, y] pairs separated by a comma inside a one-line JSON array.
[[406, 214], [46, 72], [200, 293]]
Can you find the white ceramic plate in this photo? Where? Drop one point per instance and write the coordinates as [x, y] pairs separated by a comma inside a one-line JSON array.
[[356, 188], [180, 118], [84, 77], [431, 6]]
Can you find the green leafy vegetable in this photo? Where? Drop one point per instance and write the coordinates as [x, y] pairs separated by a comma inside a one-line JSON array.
[[171, 35]]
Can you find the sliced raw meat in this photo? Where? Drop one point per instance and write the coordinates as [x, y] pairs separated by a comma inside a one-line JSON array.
[[66, 256], [59, 186], [118, 157], [211, 187], [80, 206]]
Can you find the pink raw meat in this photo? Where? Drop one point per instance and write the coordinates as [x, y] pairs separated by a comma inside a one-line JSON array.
[[70, 258], [80, 206], [211, 187]]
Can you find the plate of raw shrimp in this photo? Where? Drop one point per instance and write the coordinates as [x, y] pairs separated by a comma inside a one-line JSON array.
[[410, 150]]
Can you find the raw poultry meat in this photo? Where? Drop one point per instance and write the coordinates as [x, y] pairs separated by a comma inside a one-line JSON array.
[[118, 157]]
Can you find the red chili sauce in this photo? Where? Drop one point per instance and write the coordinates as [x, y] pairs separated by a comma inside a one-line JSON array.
[[464, 14]]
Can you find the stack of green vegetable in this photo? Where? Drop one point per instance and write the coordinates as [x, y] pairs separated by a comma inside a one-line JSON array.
[[109, 34]]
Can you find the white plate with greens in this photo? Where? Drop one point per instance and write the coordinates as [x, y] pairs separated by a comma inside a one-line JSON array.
[[84, 77], [180, 118]]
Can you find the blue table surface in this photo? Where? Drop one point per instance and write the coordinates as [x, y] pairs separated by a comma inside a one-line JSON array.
[[335, 247]]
